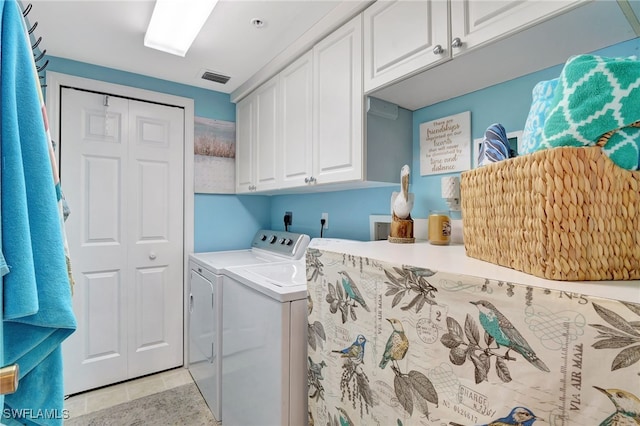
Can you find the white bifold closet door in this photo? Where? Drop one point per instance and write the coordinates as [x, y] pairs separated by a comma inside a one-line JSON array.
[[121, 170]]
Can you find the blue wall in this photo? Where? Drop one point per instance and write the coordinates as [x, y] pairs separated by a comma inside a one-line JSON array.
[[348, 211], [222, 222]]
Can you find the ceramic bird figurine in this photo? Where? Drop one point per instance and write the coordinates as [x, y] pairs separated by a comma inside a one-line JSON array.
[[397, 344], [627, 408], [505, 334], [355, 352], [403, 203], [519, 416], [352, 291]]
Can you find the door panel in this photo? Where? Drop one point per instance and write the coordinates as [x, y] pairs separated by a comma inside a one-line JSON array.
[[93, 157], [102, 316], [122, 170], [400, 37], [479, 22], [296, 88], [244, 146], [155, 232], [338, 116], [266, 134]]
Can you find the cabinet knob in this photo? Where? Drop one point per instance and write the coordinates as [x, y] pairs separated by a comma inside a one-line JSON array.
[[306, 180], [438, 50], [456, 43], [152, 255], [310, 179]]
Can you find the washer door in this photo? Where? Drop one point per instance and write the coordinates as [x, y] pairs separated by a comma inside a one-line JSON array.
[[204, 323]]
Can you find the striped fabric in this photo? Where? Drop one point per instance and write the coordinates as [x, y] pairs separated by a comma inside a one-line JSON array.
[[494, 146]]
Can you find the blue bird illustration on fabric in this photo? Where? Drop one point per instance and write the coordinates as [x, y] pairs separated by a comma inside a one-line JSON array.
[[352, 291], [355, 351], [627, 408], [519, 416], [345, 420], [397, 345], [505, 334]]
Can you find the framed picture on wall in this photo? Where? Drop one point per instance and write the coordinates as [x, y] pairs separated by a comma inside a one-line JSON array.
[[513, 137], [444, 144], [215, 156]]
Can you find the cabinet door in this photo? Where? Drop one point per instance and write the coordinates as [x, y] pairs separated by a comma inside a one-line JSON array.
[[338, 114], [296, 87], [245, 135], [401, 37], [477, 22], [266, 128]]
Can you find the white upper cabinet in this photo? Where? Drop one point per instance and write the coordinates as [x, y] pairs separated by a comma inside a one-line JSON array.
[[245, 138], [475, 22], [338, 115], [256, 137], [266, 119], [296, 90], [404, 37], [303, 130], [401, 37]]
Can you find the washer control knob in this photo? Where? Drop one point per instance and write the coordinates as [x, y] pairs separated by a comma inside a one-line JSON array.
[[289, 241], [272, 239], [263, 237]]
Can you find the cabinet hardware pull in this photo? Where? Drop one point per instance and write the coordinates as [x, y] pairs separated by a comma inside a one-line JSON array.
[[9, 379], [456, 43], [438, 50]]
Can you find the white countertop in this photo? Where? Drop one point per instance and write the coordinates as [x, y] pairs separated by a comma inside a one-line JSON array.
[[453, 259]]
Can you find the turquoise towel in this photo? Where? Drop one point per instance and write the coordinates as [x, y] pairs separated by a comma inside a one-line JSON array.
[[541, 99], [38, 314], [596, 95]]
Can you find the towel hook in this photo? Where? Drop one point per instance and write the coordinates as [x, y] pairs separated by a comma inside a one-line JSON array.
[[36, 43], [43, 66], [27, 10], [40, 56]]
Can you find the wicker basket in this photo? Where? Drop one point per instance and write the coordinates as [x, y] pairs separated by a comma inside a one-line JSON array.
[[564, 213]]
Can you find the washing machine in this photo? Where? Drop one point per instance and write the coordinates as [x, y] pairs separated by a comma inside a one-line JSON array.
[[207, 273], [264, 358]]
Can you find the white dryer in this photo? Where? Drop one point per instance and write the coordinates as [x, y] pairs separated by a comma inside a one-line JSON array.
[[207, 271]]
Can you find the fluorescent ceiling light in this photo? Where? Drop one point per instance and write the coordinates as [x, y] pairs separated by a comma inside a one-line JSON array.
[[176, 23]]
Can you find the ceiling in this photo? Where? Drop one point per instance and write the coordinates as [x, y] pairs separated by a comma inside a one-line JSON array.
[[110, 33]]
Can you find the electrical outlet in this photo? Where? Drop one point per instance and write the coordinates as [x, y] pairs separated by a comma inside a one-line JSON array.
[[290, 217], [325, 216]]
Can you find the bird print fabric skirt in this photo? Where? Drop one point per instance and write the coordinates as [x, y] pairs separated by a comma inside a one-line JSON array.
[[397, 345]]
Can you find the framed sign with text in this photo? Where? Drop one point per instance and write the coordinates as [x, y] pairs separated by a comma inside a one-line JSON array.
[[445, 144]]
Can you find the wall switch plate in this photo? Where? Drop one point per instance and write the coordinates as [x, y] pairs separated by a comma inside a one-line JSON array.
[[325, 216]]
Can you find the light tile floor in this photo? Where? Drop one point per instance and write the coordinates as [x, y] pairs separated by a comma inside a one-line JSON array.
[[90, 401]]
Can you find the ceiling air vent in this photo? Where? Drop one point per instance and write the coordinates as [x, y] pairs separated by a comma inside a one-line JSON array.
[[216, 78]]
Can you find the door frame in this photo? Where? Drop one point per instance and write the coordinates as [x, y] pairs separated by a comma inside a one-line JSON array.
[[56, 81]]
